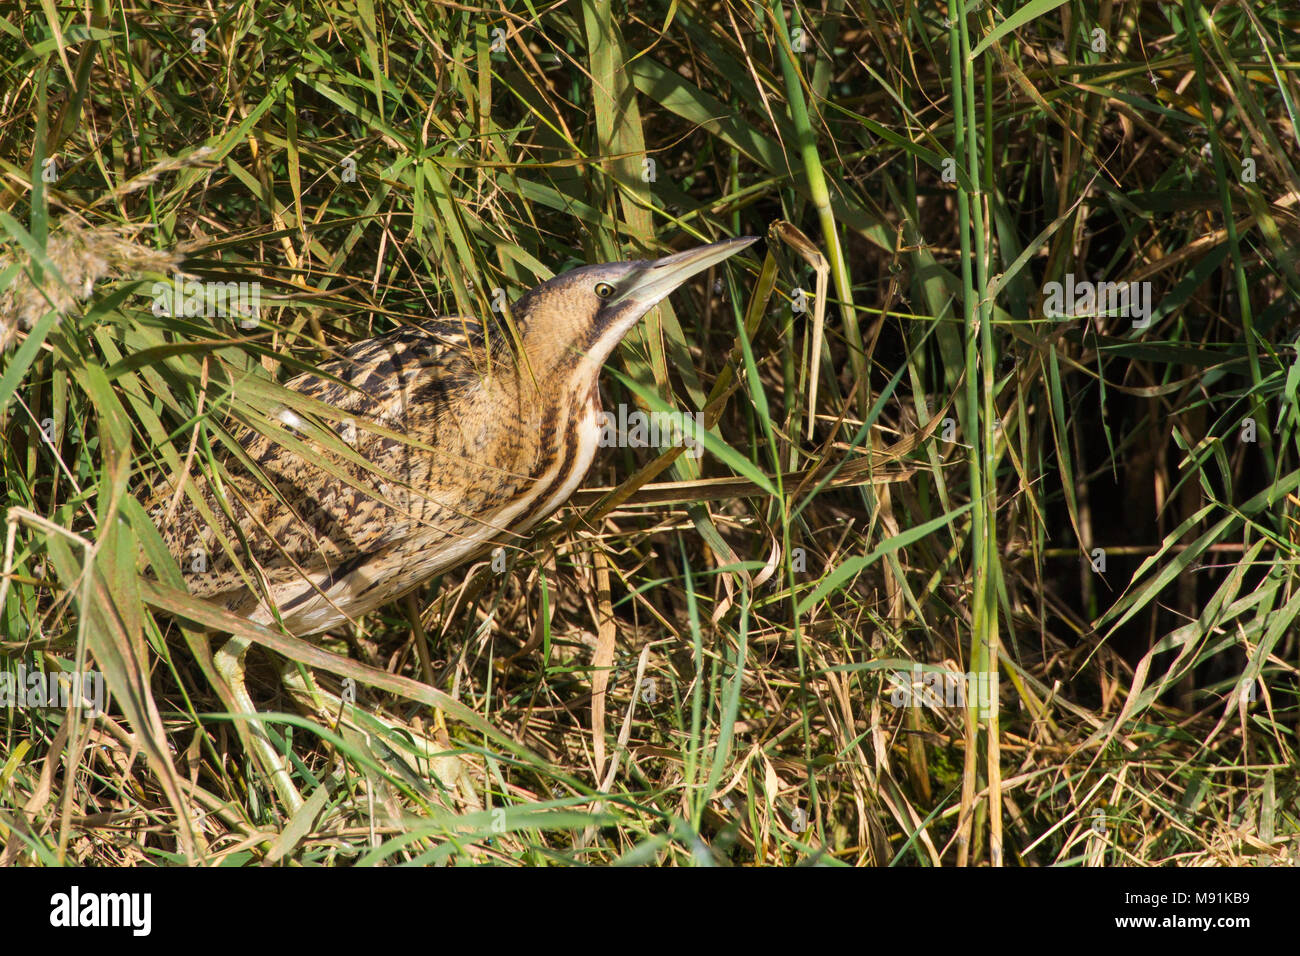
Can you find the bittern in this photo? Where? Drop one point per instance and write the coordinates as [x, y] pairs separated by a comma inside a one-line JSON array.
[[480, 432]]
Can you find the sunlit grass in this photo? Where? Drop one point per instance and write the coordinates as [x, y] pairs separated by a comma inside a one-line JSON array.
[[702, 665]]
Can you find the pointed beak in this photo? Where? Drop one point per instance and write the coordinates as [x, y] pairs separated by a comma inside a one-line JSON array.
[[648, 286]]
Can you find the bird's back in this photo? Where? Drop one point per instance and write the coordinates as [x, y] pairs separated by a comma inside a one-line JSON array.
[[334, 536]]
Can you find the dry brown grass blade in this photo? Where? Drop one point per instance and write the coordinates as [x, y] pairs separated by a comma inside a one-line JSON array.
[[808, 251], [866, 469], [715, 489], [602, 660]]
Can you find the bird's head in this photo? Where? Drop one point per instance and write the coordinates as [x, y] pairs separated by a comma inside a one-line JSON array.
[[577, 318]]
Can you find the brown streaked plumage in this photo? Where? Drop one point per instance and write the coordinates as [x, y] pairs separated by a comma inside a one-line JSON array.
[[493, 436]]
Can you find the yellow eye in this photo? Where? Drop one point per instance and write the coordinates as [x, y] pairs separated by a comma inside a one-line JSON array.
[[604, 290]]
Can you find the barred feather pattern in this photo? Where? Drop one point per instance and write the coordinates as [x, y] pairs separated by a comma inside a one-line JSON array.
[[485, 452]]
